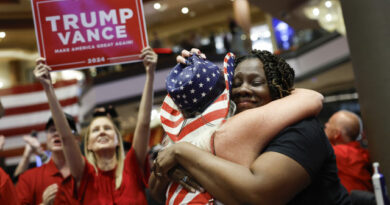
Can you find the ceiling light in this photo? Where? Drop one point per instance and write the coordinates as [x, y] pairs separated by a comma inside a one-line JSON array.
[[254, 36], [328, 13], [2, 34], [328, 17], [316, 11], [157, 6], [328, 4], [185, 10]]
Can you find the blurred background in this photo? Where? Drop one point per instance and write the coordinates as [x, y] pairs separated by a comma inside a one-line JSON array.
[[310, 34]]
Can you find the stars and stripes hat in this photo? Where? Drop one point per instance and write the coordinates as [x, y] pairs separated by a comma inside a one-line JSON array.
[[198, 97]]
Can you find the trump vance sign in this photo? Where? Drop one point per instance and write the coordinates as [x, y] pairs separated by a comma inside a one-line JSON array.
[[86, 33]]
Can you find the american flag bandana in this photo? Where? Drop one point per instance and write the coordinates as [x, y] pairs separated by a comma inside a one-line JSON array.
[[196, 130], [196, 85]]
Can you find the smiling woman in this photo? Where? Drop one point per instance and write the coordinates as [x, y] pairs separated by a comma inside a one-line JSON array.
[[101, 134], [106, 176], [250, 88], [272, 152]]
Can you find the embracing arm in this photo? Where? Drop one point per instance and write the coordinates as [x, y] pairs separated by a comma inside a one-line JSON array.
[[142, 129], [158, 187], [71, 148], [251, 130], [265, 182]]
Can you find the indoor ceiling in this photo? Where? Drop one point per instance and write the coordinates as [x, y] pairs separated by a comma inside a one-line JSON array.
[[204, 16], [16, 19]]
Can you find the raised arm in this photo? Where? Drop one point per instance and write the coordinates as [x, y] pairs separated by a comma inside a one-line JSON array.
[[71, 148], [23, 163], [142, 129], [32, 146], [251, 130]]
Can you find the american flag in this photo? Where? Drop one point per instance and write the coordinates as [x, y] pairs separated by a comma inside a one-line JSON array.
[[27, 109], [197, 130]]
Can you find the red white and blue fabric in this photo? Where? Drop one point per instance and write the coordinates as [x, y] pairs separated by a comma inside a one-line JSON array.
[[27, 109], [197, 130]]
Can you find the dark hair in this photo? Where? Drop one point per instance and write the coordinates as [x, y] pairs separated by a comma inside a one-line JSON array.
[[69, 118], [105, 111], [279, 74]]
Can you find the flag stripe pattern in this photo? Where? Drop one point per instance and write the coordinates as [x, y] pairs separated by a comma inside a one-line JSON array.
[[197, 130], [27, 109]]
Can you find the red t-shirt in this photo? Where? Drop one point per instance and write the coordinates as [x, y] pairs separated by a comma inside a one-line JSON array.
[[32, 183], [353, 166], [8, 193], [99, 188]]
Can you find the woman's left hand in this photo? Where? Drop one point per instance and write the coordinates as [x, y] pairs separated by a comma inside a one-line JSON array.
[[166, 160], [149, 58]]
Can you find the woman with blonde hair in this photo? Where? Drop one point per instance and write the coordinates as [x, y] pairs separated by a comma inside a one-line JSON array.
[[106, 175]]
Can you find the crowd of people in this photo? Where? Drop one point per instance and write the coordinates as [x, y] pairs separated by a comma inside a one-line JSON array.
[[238, 135]]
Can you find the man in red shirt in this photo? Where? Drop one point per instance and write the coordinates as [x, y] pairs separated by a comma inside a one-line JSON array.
[[40, 184], [352, 160], [7, 190]]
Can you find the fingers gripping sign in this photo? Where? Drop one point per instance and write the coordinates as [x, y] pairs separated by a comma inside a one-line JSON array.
[[149, 59], [42, 72]]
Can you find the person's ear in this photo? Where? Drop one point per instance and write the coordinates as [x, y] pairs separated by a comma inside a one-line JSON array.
[[338, 135]]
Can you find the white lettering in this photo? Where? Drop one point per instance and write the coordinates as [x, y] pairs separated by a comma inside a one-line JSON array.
[[78, 37], [111, 16], [53, 23], [93, 34], [104, 33], [124, 14], [70, 20], [63, 39], [61, 50], [84, 22], [121, 32]]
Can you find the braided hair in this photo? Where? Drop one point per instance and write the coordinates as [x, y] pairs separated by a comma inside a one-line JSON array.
[[279, 74]]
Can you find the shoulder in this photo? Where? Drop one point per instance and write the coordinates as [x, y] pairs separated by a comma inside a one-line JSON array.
[[307, 132], [350, 150], [131, 164], [305, 142], [4, 177], [32, 172]]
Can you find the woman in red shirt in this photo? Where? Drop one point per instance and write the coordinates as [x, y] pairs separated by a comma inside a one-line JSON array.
[[106, 175]]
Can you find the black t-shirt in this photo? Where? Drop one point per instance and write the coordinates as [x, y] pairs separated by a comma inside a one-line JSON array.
[[306, 143]]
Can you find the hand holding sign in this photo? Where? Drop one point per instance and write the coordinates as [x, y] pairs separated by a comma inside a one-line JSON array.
[[41, 72], [150, 59], [78, 34]]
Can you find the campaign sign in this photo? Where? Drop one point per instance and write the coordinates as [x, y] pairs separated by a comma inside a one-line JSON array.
[[85, 33]]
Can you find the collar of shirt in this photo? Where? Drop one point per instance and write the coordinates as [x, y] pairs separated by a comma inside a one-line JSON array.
[[52, 168]]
